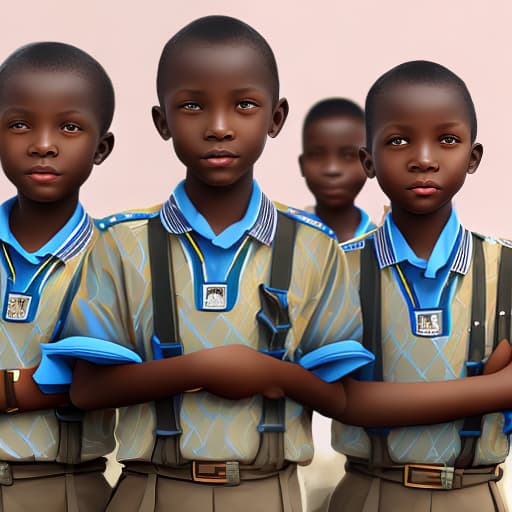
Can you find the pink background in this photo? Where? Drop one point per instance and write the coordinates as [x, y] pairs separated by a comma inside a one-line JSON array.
[[323, 48]]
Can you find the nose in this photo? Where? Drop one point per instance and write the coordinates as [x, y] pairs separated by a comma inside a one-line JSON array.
[[218, 127], [42, 145], [332, 167], [424, 160]]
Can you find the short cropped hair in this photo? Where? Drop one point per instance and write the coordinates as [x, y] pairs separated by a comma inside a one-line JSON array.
[[55, 56], [217, 30], [332, 107], [417, 72]]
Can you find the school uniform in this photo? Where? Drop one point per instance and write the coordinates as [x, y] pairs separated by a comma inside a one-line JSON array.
[[37, 472], [322, 308], [426, 319]]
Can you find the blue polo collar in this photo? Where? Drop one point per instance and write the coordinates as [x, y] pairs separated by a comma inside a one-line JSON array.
[[180, 216], [391, 248], [73, 238]]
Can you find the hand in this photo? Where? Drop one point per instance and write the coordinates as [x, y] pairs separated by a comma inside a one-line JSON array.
[[237, 371]]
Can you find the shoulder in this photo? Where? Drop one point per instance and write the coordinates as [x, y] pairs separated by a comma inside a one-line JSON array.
[[305, 218], [492, 241], [129, 218]]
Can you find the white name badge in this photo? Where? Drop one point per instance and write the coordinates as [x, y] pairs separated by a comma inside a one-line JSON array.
[[428, 322], [18, 307], [215, 296]]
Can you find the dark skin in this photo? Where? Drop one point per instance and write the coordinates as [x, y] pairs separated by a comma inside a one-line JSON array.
[[204, 112], [421, 153], [218, 110], [332, 170], [50, 139]]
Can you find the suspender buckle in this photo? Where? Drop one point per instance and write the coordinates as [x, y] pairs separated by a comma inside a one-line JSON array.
[[221, 473], [5, 474]]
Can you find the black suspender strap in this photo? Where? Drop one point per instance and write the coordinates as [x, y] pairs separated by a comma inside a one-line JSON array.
[[166, 338], [504, 298], [275, 307], [471, 428], [370, 297], [273, 417], [70, 418]]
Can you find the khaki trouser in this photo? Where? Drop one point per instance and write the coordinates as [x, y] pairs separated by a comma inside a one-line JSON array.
[[147, 488], [53, 487], [359, 492]]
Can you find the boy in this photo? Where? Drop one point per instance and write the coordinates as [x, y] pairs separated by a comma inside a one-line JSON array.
[[332, 134], [212, 286], [56, 106], [440, 312]]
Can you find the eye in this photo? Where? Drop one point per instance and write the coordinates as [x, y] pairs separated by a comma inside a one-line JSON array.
[[247, 105], [71, 128], [19, 126], [449, 140], [397, 141], [350, 154], [190, 105]]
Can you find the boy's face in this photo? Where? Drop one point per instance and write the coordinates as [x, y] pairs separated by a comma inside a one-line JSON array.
[[421, 148], [49, 134], [330, 162], [218, 109]]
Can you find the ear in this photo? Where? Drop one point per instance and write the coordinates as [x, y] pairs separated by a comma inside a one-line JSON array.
[[301, 164], [160, 123], [476, 157], [278, 117], [366, 160], [105, 147]]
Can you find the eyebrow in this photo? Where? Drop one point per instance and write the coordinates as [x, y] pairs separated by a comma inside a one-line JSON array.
[[443, 126]]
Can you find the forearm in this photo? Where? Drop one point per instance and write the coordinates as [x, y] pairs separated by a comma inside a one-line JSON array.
[[102, 386], [373, 404], [19, 393]]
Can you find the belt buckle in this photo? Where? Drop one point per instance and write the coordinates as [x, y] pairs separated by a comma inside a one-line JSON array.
[[219, 473], [5, 474], [445, 476]]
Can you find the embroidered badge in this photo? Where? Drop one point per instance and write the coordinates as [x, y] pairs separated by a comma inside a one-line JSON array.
[[18, 307], [215, 296], [429, 322]]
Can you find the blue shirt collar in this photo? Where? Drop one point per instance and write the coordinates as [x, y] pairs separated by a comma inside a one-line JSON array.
[[392, 248], [179, 216], [365, 225], [73, 238]]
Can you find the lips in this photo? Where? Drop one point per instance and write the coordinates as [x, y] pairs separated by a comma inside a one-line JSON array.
[[220, 157], [424, 188], [43, 173]]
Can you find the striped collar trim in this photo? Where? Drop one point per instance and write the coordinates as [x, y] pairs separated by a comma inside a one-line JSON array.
[[78, 240], [386, 255], [263, 230]]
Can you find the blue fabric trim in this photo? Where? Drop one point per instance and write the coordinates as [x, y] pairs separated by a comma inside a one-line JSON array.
[[55, 371]]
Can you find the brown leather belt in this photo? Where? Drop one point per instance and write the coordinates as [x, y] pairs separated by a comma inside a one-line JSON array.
[[429, 476], [10, 471], [226, 473]]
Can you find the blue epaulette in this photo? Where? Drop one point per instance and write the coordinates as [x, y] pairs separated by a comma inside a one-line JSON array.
[[112, 220], [352, 245], [310, 219], [357, 243]]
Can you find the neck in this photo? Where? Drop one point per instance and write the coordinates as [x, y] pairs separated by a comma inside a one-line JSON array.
[[421, 231], [343, 221], [221, 206], [34, 224]]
